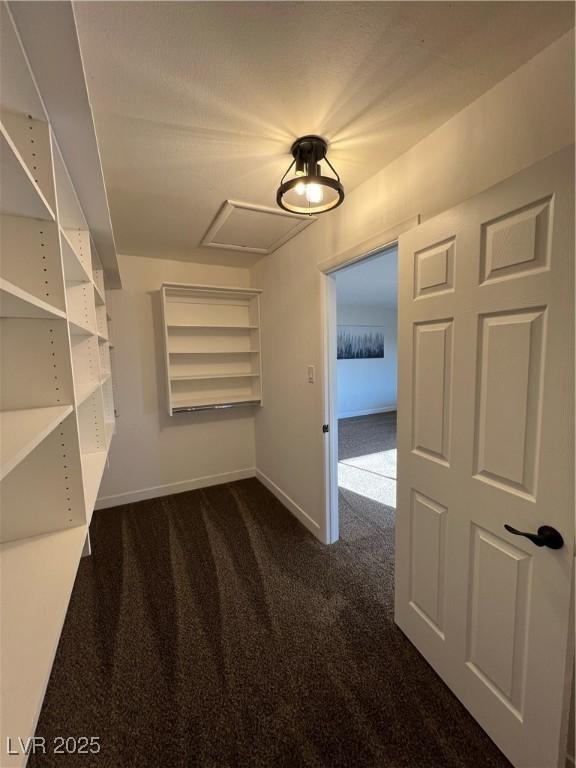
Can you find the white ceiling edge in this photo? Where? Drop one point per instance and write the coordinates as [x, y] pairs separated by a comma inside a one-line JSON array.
[[229, 206]]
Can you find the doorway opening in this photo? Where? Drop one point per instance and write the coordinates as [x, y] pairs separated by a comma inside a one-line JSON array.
[[362, 308]]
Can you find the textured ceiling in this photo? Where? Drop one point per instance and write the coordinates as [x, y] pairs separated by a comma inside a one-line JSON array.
[[373, 282], [196, 103]]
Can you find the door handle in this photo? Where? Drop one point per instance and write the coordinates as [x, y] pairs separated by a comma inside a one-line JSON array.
[[546, 536]]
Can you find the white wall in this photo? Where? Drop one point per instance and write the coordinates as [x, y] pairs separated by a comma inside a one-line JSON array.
[[570, 761], [154, 453], [368, 386], [523, 119]]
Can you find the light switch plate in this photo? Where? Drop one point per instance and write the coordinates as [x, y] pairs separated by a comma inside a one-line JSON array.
[[311, 374]]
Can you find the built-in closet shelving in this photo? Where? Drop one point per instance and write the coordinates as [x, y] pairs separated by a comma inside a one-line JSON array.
[[212, 342], [56, 400]]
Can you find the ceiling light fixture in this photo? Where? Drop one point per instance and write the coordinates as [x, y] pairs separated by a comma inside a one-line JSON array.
[[307, 190]]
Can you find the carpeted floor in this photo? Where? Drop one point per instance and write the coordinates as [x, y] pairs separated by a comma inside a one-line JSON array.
[[367, 457], [210, 629]]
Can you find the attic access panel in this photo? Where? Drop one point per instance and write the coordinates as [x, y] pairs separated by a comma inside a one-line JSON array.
[[253, 228]]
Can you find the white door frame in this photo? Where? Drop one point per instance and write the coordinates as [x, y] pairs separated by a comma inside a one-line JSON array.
[[365, 249]]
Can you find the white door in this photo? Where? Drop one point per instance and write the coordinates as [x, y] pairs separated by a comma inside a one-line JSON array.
[[485, 402]]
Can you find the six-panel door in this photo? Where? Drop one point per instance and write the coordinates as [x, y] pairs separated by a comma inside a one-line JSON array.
[[486, 438]]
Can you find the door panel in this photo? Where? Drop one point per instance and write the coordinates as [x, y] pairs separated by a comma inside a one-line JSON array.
[[427, 558], [431, 402], [510, 360], [499, 598], [485, 437], [434, 269], [516, 243]]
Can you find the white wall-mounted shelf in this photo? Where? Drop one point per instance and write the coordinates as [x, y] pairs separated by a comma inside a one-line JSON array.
[[56, 397], [102, 322], [85, 390], [22, 430], [98, 296], [31, 259], [81, 308], [185, 406], [37, 578], [212, 327], [78, 329], [55, 59], [75, 270], [31, 143], [15, 302], [93, 468], [78, 240], [110, 428], [220, 352], [212, 341], [21, 194], [199, 377]]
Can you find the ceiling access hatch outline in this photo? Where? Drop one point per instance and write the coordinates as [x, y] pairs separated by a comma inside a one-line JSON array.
[[251, 228]]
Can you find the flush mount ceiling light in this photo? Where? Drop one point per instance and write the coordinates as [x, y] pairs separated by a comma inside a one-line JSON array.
[[306, 190]]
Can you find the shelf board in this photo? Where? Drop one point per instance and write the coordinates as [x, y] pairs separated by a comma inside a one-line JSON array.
[[37, 578], [202, 405], [76, 329], [92, 469], [16, 302], [200, 376], [25, 194], [217, 290], [24, 429], [74, 270], [195, 326], [102, 338], [99, 298], [86, 390], [219, 352]]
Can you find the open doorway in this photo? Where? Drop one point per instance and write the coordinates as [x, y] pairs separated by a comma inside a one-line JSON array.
[[362, 390]]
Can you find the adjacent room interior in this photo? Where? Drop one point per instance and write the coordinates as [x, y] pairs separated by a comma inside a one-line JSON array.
[[366, 380], [287, 384]]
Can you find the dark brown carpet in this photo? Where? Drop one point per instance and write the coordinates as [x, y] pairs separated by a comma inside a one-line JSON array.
[[362, 435], [210, 629]]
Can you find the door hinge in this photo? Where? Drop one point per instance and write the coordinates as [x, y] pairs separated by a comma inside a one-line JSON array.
[[325, 428]]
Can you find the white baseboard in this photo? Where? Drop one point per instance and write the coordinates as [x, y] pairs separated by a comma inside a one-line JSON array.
[[166, 490], [366, 412], [157, 491], [290, 504]]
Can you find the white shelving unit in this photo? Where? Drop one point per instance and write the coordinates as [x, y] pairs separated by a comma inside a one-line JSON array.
[[24, 429], [213, 350], [56, 397]]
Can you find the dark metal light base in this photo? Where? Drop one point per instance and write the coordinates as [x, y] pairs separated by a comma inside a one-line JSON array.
[[308, 147]]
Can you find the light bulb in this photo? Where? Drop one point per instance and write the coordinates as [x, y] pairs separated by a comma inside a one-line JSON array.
[[314, 193], [300, 188]]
